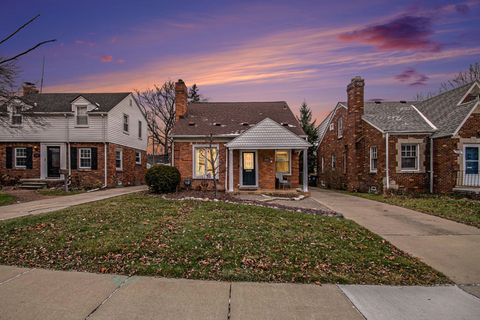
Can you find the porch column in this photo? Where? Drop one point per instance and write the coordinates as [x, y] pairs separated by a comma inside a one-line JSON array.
[[305, 170], [230, 170]]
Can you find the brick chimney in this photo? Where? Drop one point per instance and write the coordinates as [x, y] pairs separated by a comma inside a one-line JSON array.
[[29, 88], [354, 133], [181, 99]]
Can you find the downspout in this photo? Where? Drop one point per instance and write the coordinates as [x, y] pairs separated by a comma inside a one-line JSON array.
[[387, 174], [172, 154], [431, 165], [226, 168], [68, 158], [105, 154]]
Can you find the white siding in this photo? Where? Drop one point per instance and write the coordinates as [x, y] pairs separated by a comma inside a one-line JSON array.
[[115, 125]]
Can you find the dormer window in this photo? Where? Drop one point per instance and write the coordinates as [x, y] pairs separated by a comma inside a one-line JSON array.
[[82, 116], [17, 117]]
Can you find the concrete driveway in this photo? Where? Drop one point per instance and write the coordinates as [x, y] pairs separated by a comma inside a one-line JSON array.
[[57, 203], [450, 247]]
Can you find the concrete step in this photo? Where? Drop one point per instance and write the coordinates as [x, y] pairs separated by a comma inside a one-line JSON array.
[[32, 184]]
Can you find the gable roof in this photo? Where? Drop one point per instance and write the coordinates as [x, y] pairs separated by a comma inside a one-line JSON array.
[[323, 127], [233, 118], [444, 111], [268, 134], [61, 102]]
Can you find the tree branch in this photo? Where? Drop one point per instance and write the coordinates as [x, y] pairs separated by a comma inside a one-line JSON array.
[[20, 28], [27, 51]]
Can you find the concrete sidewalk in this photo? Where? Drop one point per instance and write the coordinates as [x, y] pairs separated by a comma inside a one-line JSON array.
[[57, 203], [45, 294], [450, 247]]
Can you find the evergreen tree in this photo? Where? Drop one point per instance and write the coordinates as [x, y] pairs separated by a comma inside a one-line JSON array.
[[311, 130], [193, 95]]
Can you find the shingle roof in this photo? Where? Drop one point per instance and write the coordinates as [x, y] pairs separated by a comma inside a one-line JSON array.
[[395, 117], [443, 111], [61, 102], [268, 134], [233, 118]]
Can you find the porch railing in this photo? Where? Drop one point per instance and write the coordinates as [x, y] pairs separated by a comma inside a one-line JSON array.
[[467, 179]]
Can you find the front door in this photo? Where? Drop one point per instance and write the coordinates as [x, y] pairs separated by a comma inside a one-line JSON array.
[[53, 162], [472, 161], [249, 175]]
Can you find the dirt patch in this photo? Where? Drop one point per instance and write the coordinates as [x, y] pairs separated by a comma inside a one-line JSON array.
[[24, 195]]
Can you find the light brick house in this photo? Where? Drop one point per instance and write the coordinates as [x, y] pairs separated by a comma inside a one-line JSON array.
[[99, 139], [256, 145], [429, 146]]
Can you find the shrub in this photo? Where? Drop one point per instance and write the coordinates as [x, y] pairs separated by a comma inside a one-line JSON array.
[[162, 179]]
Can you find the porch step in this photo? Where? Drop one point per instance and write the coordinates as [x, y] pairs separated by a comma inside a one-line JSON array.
[[32, 184]]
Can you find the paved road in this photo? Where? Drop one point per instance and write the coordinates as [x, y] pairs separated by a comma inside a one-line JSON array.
[[46, 294], [450, 247], [57, 203]]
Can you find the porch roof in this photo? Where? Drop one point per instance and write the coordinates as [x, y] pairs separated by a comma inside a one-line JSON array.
[[268, 134]]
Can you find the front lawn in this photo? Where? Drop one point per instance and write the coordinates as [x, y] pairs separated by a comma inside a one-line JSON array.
[[146, 235], [457, 209], [6, 199]]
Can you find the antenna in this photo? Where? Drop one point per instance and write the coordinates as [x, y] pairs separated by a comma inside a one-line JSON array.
[[43, 73]]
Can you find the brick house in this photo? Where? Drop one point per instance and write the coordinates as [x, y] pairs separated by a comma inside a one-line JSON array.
[[429, 146], [98, 139], [252, 146]]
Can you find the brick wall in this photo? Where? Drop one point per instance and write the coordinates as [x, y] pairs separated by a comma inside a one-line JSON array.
[[131, 173], [89, 178], [21, 173]]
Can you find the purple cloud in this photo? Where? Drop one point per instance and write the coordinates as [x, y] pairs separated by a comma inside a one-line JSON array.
[[406, 32], [412, 77], [462, 8]]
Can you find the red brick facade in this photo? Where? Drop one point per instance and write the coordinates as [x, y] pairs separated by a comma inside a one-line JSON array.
[[131, 173], [183, 160], [352, 153]]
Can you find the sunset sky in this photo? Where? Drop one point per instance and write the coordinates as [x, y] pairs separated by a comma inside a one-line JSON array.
[[247, 50]]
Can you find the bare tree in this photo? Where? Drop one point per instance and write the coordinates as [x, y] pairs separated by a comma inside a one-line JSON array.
[[213, 163], [158, 105], [462, 78], [8, 75]]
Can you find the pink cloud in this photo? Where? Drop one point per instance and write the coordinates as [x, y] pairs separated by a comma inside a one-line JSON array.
[[106, 58], [85, 43], [412, 77], [405, 32]]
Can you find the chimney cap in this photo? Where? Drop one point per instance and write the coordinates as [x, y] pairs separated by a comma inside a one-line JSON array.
[[180, 81]]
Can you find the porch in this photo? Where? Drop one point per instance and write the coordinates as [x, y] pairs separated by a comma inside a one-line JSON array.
[[266, 158]]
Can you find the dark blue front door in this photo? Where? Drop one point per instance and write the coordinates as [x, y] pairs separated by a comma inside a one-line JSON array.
[[248, 169]]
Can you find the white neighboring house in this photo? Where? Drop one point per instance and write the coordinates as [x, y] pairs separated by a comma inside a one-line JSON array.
[[99, 139]]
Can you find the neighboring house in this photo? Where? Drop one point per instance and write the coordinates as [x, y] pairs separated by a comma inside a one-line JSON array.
[[429, 146], [99, 139], [255, 145]]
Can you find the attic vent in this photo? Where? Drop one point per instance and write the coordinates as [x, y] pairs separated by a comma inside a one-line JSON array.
[[217, 124], [244, 124], [285, 124], [191, 124], [403, 101]]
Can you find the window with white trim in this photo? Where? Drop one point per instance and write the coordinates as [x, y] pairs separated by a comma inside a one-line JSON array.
[[139, 129], [340, 127], [138, 157], [332, 126], [282, 161], [119, 159], [334, 161], [373, 159], [409, 156], [20, 157], [322, 165], [17, 117], [205, 162], [125, 122], [85, 158], [82, 116]]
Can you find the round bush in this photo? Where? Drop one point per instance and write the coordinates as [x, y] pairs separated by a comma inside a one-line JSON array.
[[162, 179]]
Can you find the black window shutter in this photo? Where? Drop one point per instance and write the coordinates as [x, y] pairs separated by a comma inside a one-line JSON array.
[[94, 158], [73, 158], [29, 163], [9, 157]]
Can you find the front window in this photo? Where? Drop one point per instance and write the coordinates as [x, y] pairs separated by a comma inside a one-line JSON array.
[[282, 161], [205, 162], [340, 127], [17, 116], [409, 153], [373, 159], [82, 117], [138, 157], [334, 161], [139, 129], [125, 123], [21, 157], [322, 165], [85, 158], [118, 159]]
